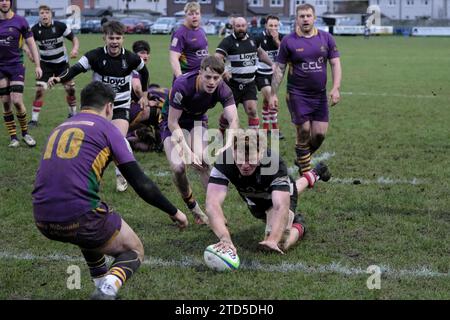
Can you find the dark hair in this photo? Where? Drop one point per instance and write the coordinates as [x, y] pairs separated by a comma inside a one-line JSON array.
[[141, 45], [113, 26], [213, 63], [96, 94], [154, 85], [273, 17]]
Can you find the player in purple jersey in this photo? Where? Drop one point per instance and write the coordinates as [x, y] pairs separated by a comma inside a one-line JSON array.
[[271, 197], [191, 96], [14, 30], [66, 202], [189, 44], [307, 51]]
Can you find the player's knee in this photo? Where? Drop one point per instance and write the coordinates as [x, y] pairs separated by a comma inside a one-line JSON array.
[[178, 168], [70, 89]]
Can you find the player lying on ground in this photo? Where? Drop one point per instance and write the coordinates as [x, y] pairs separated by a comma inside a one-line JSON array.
[[262, 180], [66, 203]]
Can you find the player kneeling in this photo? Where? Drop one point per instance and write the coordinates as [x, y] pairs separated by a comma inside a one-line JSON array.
[[66, 203], [261, 178]]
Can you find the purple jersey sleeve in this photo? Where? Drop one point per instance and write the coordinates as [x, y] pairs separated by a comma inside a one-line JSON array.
[[283, 53], [120, 148], [176, 95], [225, 95], [333, 51], [25, 29], [177, 41]]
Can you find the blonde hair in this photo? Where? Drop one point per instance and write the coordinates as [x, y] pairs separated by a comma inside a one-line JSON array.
[[305, 6], [191, 6]]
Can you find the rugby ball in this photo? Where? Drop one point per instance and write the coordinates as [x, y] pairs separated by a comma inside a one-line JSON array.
[[219, 260]]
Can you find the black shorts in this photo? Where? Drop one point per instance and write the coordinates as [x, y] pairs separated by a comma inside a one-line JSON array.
[[243, 92], [259, 211], [52, 70], [121, 113], [263, 80], [89, 231]]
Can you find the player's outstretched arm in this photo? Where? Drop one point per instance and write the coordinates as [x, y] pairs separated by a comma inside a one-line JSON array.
[[277, 219], [174, 59], [150, 193], [215, 196]]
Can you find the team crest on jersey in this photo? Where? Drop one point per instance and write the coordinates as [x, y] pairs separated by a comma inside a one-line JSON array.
[[11, 29], [237, 44], [104, 62], [323, 49], [300, 49], [124, 64], [252, 43], [54, 30], [178, 98]]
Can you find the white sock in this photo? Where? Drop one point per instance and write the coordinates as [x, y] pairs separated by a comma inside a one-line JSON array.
[[98, 281], [110, 285], [73, 110], [34, 116]]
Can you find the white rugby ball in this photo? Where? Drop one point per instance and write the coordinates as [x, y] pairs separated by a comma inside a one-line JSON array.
[[220, 261]]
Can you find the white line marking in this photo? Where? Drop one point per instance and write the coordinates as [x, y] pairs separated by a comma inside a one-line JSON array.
[[380, 180], [284, 267], [396, 95]]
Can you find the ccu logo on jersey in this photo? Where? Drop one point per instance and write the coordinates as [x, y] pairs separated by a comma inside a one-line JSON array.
[[114, 81], [250, 63], [313, 66], [202, 53]]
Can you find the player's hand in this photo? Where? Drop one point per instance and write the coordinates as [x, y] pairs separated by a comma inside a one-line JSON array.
[[53, 81], [270, 246], [73, 54], [335, 97], [226, 76], [180, 220], [224, 245], [273, 102], [143, 101], [38, 72], [196, 161]]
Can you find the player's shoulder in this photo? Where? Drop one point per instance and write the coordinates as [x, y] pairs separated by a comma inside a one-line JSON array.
[[59, 24], [180, 32], [20, 19]]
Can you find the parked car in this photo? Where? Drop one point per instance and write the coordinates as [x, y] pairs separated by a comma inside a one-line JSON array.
[[147, 25], [164, 25], [91, 26], [217, 23], [133, 25]]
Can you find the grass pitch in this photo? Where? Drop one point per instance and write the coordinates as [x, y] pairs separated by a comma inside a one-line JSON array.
[[388, 203]]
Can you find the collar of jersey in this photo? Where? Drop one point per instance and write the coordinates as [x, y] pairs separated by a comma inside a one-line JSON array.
[[106, 50], [51, 25], [301, 35]]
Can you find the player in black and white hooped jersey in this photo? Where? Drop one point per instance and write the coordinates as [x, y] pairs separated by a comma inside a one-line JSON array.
[[49, 36], [269, 40], [241, 53], [114, 65]]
